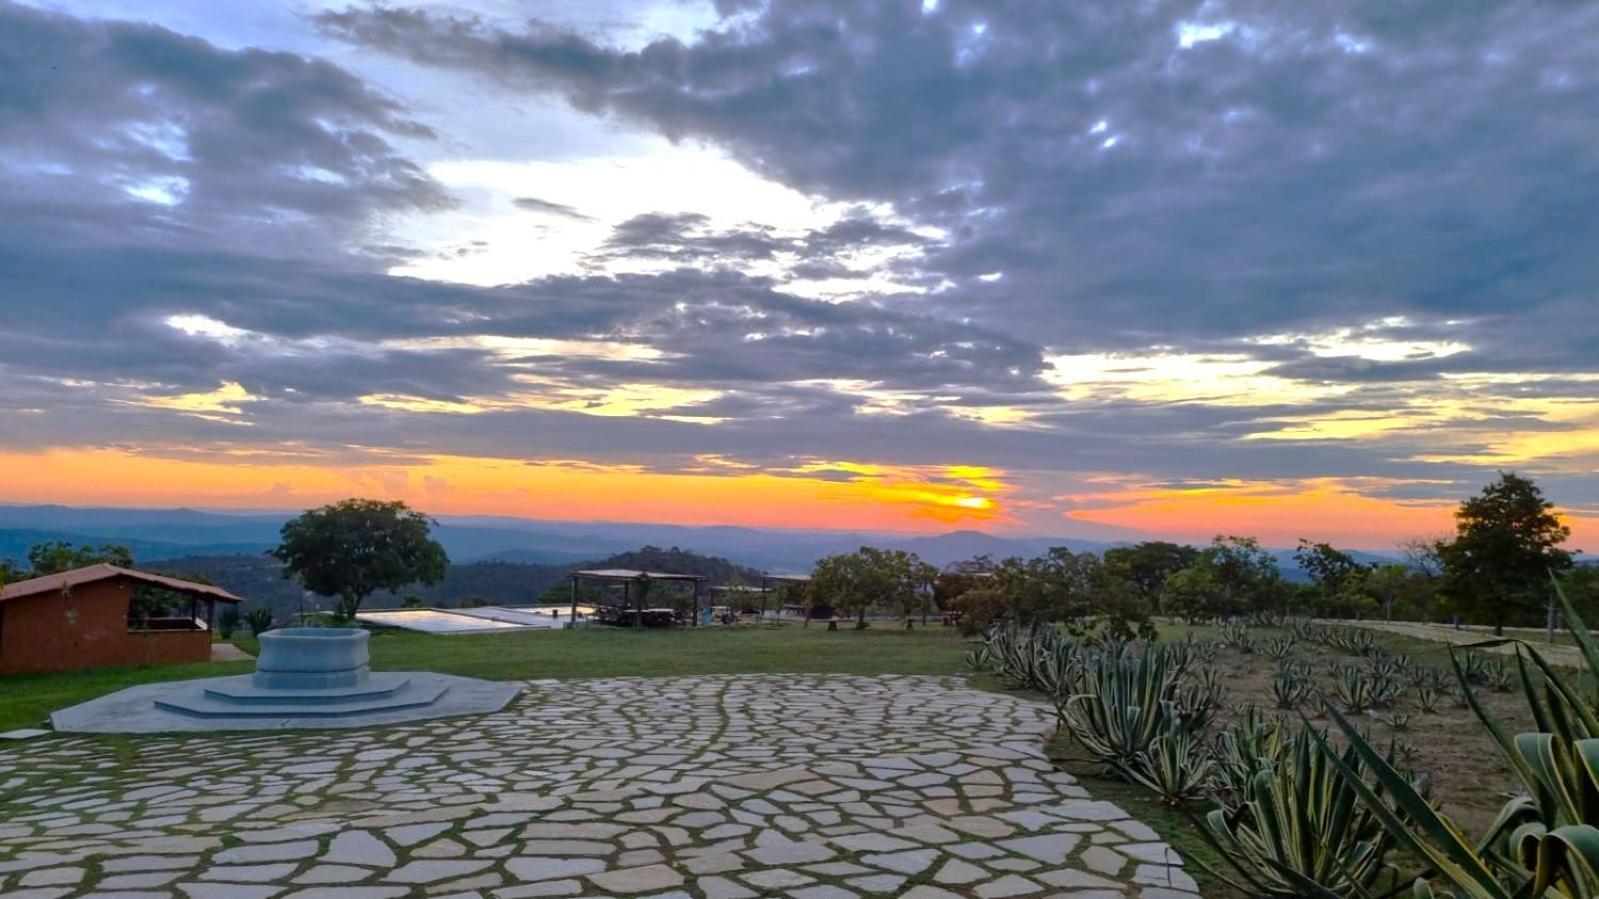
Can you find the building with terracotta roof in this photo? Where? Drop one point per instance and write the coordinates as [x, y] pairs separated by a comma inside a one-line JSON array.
[[85, 618]]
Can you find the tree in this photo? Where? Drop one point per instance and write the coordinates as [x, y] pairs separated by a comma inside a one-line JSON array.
[[1403, 591], [1147, 565], [981, 608], [959, 578], [854, 582], [1075, 589], [58, 556], [1339, 578], [353, 548], [146, 602], [1506, 544], [1581, 585], [1246, 574], [1421, 553], [1194, 593]]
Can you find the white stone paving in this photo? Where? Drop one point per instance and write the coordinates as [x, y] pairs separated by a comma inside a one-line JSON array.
[[811, 787]]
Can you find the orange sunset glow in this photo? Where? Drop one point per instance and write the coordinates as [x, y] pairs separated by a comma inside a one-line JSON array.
[[856, 496]]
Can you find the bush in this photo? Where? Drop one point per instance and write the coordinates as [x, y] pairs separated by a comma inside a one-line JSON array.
[[258, 619], [980, 609]]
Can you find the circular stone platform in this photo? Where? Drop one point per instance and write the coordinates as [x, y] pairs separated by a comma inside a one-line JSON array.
[[727, 787], [192, 705]]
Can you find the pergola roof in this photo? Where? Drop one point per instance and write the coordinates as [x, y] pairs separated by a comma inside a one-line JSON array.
[[790, 578], [66, 580], [629, 574]]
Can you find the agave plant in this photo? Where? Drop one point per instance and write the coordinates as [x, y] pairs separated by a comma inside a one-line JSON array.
[[1397, 721], [1177, 766], [1291, 688], [1303, 629], [1383, 664], [1497, 675], [1542, 844], [1233, 631], [1279, 648], [1385, 690], [1353, 690], [1300, 830], [1244, 749], [1471, 664], [1058, 671], [1429, 698], [1127, 701]]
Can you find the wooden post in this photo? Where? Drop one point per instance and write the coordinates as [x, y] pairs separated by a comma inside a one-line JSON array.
[[573, 621], [695, 620]]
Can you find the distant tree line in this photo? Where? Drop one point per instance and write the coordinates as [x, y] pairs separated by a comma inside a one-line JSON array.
[[1495, 569]]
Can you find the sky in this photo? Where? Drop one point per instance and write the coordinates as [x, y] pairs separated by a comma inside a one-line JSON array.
[[1095, 269]]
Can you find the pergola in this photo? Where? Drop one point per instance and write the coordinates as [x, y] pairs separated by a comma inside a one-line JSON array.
[[628, 577], [769, 582]]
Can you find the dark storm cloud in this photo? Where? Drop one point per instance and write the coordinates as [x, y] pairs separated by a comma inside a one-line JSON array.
[[130, 133], [688, 238], [1094, 186], [1308, 165]]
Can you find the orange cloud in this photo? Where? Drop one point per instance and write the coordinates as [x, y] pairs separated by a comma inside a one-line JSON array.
[[1280, 514], [857, 495]]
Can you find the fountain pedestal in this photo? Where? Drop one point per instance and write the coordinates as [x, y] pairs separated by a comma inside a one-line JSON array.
[[306, 671]]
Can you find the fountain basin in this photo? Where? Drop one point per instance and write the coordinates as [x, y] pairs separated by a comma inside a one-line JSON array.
[[312, 658]]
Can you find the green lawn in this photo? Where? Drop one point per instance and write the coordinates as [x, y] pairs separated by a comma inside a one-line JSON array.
[[26, 700]]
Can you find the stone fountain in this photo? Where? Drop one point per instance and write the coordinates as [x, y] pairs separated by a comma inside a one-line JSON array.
[[315, 671], [305, 677]]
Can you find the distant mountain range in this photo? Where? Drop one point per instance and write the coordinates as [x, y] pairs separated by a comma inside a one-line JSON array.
[[156, 535]]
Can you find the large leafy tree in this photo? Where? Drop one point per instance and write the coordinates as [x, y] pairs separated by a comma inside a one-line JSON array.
[[1506, 544], [855, 582], [1194, 593], [1147, 565], [1074, 589], [1340, 579], [356, 547], [1246, 574], [147, 602]]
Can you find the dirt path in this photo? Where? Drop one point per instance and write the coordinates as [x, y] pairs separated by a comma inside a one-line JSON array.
[[1557, 654]]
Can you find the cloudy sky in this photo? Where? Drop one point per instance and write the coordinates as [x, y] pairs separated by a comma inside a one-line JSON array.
[[1302, 269]]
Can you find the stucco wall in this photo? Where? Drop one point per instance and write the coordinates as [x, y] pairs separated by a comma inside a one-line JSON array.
[[87, 628]]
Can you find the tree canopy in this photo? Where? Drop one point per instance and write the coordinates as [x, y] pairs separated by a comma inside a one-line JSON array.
[[1147, 565], [854, 582], [356, 547], [1506, 545]]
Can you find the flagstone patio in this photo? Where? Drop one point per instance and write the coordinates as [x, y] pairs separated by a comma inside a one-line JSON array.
[[812, 787]]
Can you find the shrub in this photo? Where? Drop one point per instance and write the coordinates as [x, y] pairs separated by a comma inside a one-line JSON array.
[[258, 619], [981, 608]]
